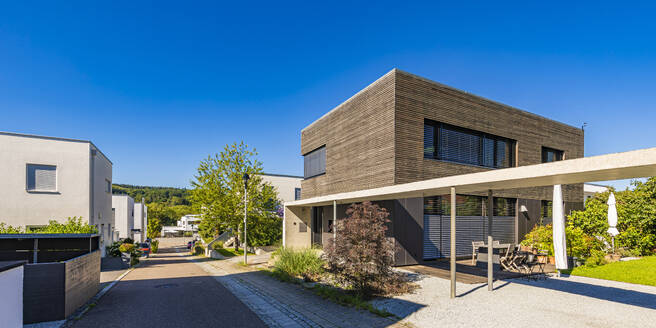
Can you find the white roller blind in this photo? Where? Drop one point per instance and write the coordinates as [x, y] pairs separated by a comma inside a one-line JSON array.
[[41, 177]]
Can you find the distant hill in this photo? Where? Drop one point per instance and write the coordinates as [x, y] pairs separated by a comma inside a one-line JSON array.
[[169, 196]]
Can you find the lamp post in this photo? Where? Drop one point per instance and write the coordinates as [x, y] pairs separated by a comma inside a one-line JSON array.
[[246, 177]]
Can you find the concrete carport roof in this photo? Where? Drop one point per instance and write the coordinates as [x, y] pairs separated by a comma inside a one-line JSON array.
[[625, 165]]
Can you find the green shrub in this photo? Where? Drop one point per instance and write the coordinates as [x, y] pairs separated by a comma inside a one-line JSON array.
[[154, 246], [72, 225], [188, 234], [114, 249], [218, 245], [304, 263], [199, 249], [128, 241], [127, 248], [579, 244], [134, 260], [596, 258]]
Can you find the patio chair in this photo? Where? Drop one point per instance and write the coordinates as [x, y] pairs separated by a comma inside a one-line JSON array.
[[507, 260], [475, 246]]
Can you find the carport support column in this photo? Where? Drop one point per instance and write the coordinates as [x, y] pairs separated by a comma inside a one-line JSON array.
[[453, 242], [490, 249], [334, 221], [36, 251]]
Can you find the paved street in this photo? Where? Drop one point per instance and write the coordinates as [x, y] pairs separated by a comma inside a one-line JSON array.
[[168, 290]]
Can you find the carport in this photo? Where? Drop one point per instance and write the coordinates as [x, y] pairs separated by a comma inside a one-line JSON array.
[[616, 166]]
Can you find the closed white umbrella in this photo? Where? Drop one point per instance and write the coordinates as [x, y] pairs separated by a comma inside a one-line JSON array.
[[612, 218], [559, 240]]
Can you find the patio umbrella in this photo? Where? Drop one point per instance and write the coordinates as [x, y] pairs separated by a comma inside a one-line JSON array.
[[559, 241], [612, 219]]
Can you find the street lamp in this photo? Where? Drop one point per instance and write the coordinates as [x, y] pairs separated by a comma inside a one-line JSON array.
[[246, 177]]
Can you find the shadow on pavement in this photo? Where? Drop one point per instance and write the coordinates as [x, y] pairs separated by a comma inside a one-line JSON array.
[[613, 294]]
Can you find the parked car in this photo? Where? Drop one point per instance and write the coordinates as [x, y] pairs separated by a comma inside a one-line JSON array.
[[145, 249]]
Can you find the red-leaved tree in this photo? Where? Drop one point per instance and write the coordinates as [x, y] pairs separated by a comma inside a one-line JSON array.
[[361, 255]]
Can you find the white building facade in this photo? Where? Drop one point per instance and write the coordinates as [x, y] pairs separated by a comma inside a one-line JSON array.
[[140, 222], [589, 190], [288, 187], [123, 206], [48, 178]]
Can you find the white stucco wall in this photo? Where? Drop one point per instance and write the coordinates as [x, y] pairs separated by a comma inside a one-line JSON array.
[[141, 221], [18, 207], [123, 215], [284, 185], [102, 198], [11, 298]]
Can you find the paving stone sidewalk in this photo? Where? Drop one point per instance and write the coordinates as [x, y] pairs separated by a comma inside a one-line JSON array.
[[282, 304]]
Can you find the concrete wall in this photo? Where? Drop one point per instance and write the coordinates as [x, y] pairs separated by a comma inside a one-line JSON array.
[[11, 298], [294, 219], [18, 207], [284, 185], [123, 215]]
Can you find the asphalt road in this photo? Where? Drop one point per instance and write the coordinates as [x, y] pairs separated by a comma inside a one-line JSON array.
[[169, 290]]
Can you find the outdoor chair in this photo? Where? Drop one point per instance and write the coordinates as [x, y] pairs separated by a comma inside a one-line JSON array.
[[506, 260], [475, 246]]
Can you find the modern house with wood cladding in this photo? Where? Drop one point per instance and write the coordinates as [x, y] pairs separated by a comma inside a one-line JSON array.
[[403, 128]]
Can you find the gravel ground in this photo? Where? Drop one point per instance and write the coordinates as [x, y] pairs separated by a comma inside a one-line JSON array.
[[555, 302]]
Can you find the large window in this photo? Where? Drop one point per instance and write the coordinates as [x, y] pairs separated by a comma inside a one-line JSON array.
[[468, 205], [449, 143], [551, 155], [41, 177], [314, 162]]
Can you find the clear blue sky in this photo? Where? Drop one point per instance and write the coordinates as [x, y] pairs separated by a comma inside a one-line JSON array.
[[158, 86]]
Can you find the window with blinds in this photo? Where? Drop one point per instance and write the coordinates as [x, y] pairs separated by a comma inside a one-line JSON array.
[[297, 193], [314, 163], [41, 177], [449, 143]]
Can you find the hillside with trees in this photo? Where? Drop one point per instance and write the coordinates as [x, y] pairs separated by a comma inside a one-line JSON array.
[[165, 204]]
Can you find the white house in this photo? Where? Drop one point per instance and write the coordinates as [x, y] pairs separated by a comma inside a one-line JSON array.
[[48, 178], [140, 222], [189, 222], [287, 186], [123, 206], [589, 190]]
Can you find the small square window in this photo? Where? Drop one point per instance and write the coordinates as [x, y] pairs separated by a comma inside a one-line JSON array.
[[41, 177]]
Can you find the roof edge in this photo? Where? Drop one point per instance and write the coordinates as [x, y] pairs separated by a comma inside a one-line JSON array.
[[35, 136]]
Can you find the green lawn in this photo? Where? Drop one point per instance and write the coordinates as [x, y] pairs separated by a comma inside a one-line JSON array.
[[230, 252], [641, 271]]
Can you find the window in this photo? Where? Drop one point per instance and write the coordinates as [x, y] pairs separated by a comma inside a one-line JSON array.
[[108, 186], [41, 177], [297, 193], [449, 143], [468, 205], [551, 155], [314, 162]]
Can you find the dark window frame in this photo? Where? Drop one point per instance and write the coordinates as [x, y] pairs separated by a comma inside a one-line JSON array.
[[305, 173], [438, 126], [558, 154], [297, 193]]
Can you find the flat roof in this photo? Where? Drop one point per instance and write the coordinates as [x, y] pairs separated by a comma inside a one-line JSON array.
[[616, 166], [394, 70], [282, 175], [24, 135]]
